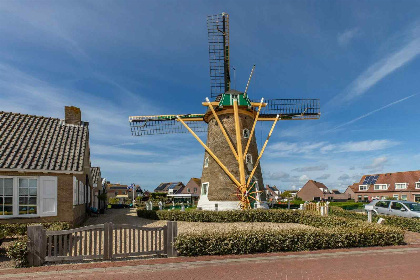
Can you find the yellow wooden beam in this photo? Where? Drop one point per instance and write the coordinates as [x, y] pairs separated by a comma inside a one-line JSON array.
[[222, 129], [262, 150], [211, 153], [239, 144], [256, 104], [253, 128]]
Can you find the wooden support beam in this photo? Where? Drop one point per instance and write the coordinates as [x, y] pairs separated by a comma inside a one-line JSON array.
[[262, 150], [193, 119], [211, 154], [253, 128], [222, 129], [239, 144]]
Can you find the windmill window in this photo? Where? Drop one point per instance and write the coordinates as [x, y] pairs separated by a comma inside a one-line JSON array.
[[206, 162], [234, 96], [248, 158], [246, 133], [204, 188]]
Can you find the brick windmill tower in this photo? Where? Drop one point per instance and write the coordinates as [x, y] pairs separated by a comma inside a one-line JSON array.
[[231, 177]]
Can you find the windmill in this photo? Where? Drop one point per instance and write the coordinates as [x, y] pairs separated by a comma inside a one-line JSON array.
[[231, 176]]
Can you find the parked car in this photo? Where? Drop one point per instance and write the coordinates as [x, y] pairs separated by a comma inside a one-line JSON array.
[[400, 208]]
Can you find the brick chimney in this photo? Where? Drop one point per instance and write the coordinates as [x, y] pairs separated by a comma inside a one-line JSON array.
[[72, 115]]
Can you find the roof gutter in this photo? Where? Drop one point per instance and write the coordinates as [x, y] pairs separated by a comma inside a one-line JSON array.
[[21, 170]]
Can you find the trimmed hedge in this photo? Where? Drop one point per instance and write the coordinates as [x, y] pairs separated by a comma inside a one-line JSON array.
[[273, 216], [349, 205], [18, 252], [12, 230], [248, 242], [410, 224]]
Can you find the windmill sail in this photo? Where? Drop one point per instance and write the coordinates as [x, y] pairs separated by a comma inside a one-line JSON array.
[[218, 35], [291, 109], [165, 124]]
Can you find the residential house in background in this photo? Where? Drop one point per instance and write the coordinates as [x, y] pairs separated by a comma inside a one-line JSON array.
[[98, 188], [398, 185], [44, 168], [170, 187], [190, 193], [317, 191], [272, 193], [349, 191], [118, 191]]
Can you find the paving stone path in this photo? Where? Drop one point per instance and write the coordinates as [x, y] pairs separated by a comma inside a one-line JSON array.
[[399, 262]]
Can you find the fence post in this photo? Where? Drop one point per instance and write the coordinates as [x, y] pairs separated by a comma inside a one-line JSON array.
[[369, 214], [36, 245], [172, 232], [108, 239]]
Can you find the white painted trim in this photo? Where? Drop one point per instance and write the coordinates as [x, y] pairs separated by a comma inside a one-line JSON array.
[[367, 187], [401, 184]]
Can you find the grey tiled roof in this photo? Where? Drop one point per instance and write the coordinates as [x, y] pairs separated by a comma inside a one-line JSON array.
[[40, 143], [95, 171]]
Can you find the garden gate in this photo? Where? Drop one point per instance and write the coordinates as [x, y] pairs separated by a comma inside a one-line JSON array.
[[104, 241]]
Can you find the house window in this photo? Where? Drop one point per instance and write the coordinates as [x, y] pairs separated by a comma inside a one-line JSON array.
[[248, 158], [206, 162], [417, 185], [28, 196], [359, 198], [195, 190], [400, 186], [246, 133], [6, 196], [366, 198], [403, 197], [378, 187], [28, 190], [396, 196], [188, 190], [363, 187], [204, 188]]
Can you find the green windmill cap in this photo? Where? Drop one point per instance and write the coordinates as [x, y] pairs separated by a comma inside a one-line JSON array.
[[230, 95]]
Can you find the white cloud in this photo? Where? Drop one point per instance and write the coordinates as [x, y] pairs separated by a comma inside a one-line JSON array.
[[377, 164], [343, 177], [344, 38], [311, 168], [303, 178], [374, 111], [409, 49], [285, 149], [99, 149], [323, 177]]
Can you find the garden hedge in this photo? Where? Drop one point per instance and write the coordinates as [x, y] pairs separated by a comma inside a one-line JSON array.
[[273, 216], [410, 224], [258, 241], [12, 230], [18, 249]]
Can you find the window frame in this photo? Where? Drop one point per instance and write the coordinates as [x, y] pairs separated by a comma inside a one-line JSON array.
[[206, 188], [397, 196], [247, 134], [417, 185], [365, 187], [15, 198], [248, 159], [405, 186], [206, 162], [380, 187]]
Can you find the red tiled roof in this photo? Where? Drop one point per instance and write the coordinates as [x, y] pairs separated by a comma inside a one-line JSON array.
[[410, 177]]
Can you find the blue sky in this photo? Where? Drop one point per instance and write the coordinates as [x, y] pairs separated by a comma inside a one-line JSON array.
[[114, 59]]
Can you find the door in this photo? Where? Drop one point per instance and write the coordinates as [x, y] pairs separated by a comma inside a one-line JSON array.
[[397, 209]]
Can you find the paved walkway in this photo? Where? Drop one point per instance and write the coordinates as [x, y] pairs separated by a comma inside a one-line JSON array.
[[399, 262]]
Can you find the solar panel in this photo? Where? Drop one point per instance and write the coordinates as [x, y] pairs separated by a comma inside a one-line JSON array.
[[172, 186]]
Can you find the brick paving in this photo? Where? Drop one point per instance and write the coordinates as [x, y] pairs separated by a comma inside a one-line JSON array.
[[399, 262]]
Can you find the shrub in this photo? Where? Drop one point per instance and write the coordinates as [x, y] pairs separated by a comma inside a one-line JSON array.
[[274, 216], [410, 224], [348, 205], [247, 242], [18, 251], [12, 230]]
